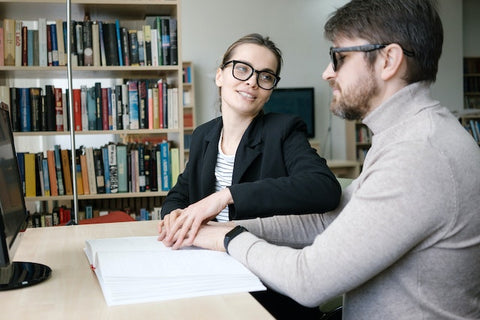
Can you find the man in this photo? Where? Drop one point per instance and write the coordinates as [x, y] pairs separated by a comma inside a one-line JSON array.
[[405, 241]]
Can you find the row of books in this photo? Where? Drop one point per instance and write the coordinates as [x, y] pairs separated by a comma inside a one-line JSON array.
[[136, 104], [472, 101], [63, 215], [473, 127], [113, 168], [363, 135], [93, 42]]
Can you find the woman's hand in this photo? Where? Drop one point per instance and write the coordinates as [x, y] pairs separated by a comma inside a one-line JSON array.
[[179, 227]]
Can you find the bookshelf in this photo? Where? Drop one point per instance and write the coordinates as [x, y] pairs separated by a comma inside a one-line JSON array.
[[189, 114], [471, 122], [358, 140], [131, 15], [471, 82]]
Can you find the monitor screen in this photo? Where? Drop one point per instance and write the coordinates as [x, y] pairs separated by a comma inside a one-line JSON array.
[[13, 216], [297, 101], [12, 204]]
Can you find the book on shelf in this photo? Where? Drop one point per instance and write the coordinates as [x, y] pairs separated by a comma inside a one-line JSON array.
[[52, 172], [58, 170], [122, 169], [18, 43], [46, 178], [42, 42], [113, 167], [99, 170], [141, 48], [133, 42], [36, 109], [30, 174], [118, 37], [9, 42], [78, 172], [66, 169], [77, 109], [96, 44], [62, 61], [165, 171], [79, 42], [53, 39], [110, 44], [91, 173], [87, 43], [124, 270], [147, 46], [125, 46], [25, 110]]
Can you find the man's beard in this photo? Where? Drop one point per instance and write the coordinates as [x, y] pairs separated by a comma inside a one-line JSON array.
[[353, 103]]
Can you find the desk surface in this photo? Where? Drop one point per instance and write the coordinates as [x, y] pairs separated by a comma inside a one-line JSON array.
[[73, 292]]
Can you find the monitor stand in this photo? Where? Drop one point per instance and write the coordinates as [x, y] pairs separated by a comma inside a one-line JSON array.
[[23, 274]]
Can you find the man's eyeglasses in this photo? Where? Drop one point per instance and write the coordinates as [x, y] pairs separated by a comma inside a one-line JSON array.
[[362, 48], [243, 71]]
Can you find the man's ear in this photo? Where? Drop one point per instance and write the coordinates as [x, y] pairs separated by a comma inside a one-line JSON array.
[[393, 59]]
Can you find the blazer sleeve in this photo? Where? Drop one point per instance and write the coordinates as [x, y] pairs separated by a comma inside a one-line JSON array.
[[299, 180]]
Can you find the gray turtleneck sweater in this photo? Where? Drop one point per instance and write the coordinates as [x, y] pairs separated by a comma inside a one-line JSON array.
[[405, 241]]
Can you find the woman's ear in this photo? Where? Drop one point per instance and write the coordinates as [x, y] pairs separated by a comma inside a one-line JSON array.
[[219, 77], [393, 61]]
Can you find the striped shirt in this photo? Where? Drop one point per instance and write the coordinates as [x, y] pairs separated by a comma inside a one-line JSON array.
[[223, 176]]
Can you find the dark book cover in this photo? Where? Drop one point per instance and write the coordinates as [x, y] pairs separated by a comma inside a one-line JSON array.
[[165, 27], [113, 167], [58, 170], [73, 42], [14, 109], [53, 39], [118, 36], [87, 43], [91, 109], [153, 168], [119, 106], [99, 170], [25, 110], [173, 42], [58, 98], [105, 124], [147, 159], [141, 167], [36, 108], [143, 104], [98, 105], [79, 42], [110, 43], [125, 46], [50, 108], [133, 41]]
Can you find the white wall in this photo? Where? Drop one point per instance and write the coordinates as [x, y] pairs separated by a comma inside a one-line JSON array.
[[210, 26]]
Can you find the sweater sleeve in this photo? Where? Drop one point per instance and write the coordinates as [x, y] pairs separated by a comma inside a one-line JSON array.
[[388, 214]]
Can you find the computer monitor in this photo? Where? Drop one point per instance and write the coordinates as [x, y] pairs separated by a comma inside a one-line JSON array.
[[296, 101], [13, 216]]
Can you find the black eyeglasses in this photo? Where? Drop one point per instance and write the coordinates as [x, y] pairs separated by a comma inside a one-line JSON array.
[[362, 48], [243, 71]]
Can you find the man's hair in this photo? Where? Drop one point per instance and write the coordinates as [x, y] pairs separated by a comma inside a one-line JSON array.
[[413, 24]]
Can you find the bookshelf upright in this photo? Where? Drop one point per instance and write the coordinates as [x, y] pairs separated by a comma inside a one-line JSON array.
[[99, 73]]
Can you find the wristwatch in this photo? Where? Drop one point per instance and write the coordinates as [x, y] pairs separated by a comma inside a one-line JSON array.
[[232, 234]]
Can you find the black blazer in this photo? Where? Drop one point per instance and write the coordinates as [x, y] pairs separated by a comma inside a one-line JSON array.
[[276, 171]]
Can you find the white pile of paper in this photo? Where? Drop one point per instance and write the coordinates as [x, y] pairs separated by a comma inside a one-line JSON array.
[[142, 269]]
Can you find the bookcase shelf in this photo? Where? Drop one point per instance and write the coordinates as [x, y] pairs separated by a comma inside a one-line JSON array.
[[131, 15], [358, 140]]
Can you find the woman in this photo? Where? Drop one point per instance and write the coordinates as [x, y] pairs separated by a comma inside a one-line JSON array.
[[248, 164]]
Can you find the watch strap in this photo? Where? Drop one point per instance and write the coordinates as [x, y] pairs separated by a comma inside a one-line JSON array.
[[232, 234]]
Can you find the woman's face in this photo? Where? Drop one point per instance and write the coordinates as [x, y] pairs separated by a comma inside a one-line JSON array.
[[245, 98]]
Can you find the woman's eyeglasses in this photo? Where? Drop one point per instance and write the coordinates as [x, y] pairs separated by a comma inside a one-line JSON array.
[[243, 71]]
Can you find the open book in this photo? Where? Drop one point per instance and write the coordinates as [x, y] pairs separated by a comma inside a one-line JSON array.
[[142, 269]]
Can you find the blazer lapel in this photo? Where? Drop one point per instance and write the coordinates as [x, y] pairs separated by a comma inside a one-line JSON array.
[[250, 148], [210, 151]]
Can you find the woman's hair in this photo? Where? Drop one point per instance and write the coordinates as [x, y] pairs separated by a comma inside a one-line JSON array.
[[255, 38], [413, 24]]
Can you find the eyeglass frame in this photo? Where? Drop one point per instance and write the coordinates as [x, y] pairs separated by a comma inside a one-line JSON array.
[[361, 48], [234, 62]]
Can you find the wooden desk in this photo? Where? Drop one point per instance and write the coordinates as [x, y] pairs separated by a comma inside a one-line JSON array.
[[73, 292]]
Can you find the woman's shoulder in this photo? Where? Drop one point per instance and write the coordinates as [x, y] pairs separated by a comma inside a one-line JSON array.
[[207, 126]]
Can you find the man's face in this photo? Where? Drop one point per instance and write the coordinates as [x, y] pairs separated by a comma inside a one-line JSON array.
[[354, 82]]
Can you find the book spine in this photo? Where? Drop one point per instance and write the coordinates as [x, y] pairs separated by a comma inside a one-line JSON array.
[[67, 173], [18, 43], [147, 45], [106, 169], [122, 168], [165, 25], [2, 47], [118, 36], [105, 109], [96, 44], [141, 168], [78, 172], [133, 41], [9, 42], [165, 165], [141, 48], [58, 170], [30, 180], [53, 30], [52, 172], [79, 42], [133, 105], [98, 105], [24, 46], [15, 109], [125, 46], [142, 104], [113, 167], [36, 109], [99, 170], [91, 109], [25, 110], [62, 61], [77, 109], [42, 42], [173, 42], [87, 43], [91, 170], [119, 106], [59, 126], [83, 100]]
